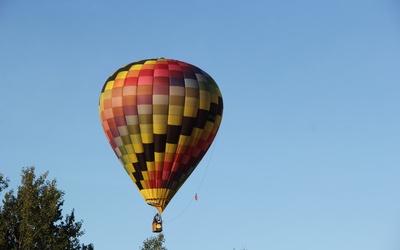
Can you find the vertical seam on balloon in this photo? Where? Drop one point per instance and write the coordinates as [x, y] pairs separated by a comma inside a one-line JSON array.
[[163, 190], [178, 180], [138, 119], [124, 115], [170, 182], [152, 178], [168, 114]]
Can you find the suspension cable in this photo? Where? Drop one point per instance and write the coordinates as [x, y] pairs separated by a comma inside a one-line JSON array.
[[198, 188]]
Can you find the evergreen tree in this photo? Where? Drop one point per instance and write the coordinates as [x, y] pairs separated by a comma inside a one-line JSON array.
[[3, 183], [32, 219]]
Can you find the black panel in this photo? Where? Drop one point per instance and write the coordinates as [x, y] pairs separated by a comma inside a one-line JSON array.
[[141, 164], [220, 106], [202, 116], [173, 133], [213, 108], [149, 151], [159, 142], [187, 125], [138, 184]]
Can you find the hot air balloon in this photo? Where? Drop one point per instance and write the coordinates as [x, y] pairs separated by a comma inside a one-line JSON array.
[[160, 117]]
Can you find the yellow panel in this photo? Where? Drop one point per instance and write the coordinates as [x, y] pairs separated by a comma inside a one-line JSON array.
[[138, 147], [159, 109], [133, 158], [175, 110], [136, 67], [160, 129], [160, 119], [170, 148], [101, 102], [192, 90], [132, 177], [147, 138], [184, 140], [146, 129], [204, 100], [150, 62], [175, 120], [144, 184], [150, 167], [125, 160], [135, 138], [107, 94], [129, 148], [158, 198], [158, 157], [109, 85], [191, 106], [214, 98], [121, 75], [146, 193]]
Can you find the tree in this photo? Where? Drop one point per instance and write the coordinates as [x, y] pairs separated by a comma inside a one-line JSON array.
[[154, 243], [3, 182], [33, 220]]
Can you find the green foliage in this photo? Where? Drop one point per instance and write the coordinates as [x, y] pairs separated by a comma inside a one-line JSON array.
[[154, 243], [33, 220], [3, 182]]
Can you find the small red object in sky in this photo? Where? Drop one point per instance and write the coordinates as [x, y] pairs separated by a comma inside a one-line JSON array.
[[195, 197]]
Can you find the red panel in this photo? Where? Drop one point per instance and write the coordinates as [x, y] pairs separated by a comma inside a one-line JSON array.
[[146, 72], [161, 72], [131, 81], [145, 80]]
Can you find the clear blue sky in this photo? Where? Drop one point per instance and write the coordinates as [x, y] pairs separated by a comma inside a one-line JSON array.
[[308, 153]]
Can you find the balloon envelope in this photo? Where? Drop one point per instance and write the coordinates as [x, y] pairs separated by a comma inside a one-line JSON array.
[[160, 117]]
